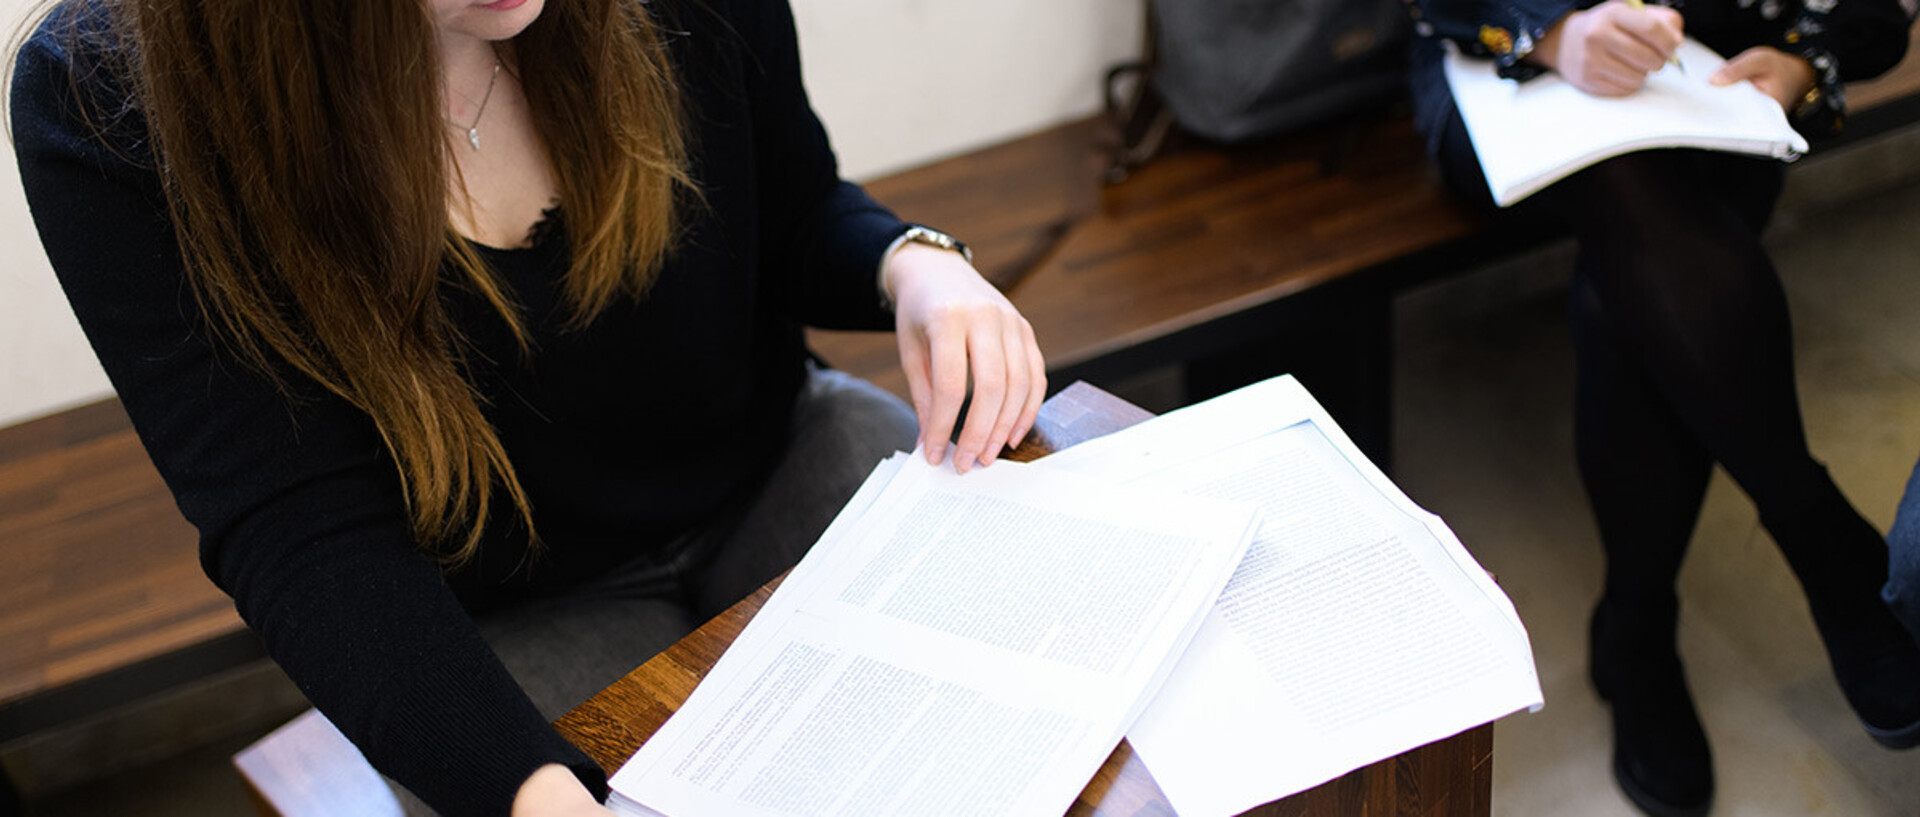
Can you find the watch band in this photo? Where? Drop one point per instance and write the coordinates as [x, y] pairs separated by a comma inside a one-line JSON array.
[[934, 238], [919, 235]]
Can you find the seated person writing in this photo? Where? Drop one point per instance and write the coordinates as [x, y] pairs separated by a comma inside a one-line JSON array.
[[1683, 347], [469, 335]]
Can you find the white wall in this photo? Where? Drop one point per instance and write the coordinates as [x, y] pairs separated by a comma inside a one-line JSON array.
[[898, 82], [902, 82], [45, 364]]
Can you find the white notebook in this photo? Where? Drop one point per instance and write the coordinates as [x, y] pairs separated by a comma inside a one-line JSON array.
[[1531, 134]]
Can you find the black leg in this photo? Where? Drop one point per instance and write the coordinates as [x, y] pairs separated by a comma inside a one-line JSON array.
[[10, 802], [1341, 350]]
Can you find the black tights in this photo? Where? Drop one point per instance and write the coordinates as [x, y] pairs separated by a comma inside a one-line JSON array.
[[1686, 359]]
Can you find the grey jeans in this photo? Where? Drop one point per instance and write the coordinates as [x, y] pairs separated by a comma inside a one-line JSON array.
[[563, 650]]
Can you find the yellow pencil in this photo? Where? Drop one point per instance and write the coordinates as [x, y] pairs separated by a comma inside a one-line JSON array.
[[1673, 60]]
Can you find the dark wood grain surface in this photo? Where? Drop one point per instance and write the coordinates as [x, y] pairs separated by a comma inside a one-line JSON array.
[[1451, 777], [101, 572]]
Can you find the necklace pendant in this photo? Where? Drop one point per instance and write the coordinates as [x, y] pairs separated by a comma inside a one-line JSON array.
[[473, 137]]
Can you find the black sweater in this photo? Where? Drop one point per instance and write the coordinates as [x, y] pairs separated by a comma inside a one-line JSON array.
[[624, 434]]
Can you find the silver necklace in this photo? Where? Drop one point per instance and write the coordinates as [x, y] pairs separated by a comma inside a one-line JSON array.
[[473, 130]]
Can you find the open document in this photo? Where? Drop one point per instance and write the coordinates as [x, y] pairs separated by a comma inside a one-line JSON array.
[[1531, 134], [952, 645], [1355, 629]]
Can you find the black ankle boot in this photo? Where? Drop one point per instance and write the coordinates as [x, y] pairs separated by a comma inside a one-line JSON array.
[[1660, 754], [1876, 663], [1873, 656]]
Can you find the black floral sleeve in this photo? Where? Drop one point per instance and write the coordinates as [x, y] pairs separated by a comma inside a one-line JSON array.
[[1844, 40], [1505, 32]]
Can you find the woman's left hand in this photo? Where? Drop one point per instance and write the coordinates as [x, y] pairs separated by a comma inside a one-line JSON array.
[[954, 328], [1780, 75]]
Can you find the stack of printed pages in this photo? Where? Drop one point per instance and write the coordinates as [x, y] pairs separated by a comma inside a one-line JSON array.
[[1231, 586]]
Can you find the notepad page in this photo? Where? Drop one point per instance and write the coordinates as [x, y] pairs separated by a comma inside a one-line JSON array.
[[1531, 134]]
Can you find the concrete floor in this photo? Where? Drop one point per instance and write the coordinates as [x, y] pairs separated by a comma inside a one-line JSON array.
[[1483, 400]]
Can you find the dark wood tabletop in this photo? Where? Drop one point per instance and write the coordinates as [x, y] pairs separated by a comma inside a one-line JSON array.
[[1451, 777]]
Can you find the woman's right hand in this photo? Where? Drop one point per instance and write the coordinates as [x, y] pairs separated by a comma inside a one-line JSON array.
[[553, 791], [1609, 50], [956, 329]]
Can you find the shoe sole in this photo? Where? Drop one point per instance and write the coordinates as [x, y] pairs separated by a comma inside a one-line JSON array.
[[1905, 737], [1648, 803]]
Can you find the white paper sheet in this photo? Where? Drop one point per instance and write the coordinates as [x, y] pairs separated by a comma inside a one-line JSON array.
[[963, 645], [1531, 134], [1356, 628]]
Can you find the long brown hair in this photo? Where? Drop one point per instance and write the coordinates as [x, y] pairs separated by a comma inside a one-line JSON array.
[[303, 149]]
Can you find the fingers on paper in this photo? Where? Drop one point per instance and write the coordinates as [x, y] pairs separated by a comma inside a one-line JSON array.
[[917, 364], [1025, 385], [947, 374], [1748, 64], [987, 354], [1036, 384], [1009, 381]]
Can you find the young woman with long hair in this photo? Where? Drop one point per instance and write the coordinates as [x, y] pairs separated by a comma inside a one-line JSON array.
[[469, 336]]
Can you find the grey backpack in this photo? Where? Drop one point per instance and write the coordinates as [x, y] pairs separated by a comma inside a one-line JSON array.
[[1234, 70], [1238, 69]]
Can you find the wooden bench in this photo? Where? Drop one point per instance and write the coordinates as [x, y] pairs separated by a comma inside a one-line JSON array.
[[102, 600], [1229, 263]]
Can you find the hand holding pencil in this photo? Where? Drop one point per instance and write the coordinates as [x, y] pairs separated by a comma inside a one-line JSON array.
[[1609, 50], [1672, 59]]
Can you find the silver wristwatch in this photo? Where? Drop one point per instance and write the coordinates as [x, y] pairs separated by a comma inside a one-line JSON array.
[[934, 238]]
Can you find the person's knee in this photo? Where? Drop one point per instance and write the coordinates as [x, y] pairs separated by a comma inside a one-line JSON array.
[[844, 411]]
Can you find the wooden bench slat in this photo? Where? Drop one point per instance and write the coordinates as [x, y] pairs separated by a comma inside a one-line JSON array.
[[103, 573]]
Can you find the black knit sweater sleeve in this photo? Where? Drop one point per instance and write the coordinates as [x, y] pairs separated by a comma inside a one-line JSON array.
[[834, 240], [299, 512]]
